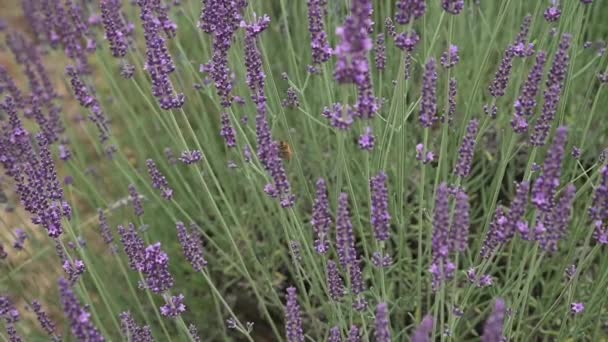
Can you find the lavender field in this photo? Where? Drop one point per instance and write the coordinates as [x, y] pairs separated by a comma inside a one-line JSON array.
[[291, 170]]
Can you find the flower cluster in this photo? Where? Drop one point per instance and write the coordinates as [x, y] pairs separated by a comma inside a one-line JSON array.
[[159, 63], [191, 245], [321, 51]]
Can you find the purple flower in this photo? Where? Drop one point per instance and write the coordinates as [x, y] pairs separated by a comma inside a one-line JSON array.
[[441, 267], [104, 227], [357, 286], [86, 99], [334, 281], [526, 102], [380, 217], [552, 94], [383, 325], [194, 333], [268, 149], [227, 132], [390, 27], [334, 335], [191, 246], [116, 32], [452, 6], [381, 261], [409, 10], [354, 334], [158, 180], [407, 41], [492, 331], [552, 13], [159, 63], [80, 319], [367, 140], [133, 246], [11, 315], [551, 227], [174, 306], [73, 270], [352, 65], [45, 322], [380, 52], [158, 279], [452, 92], [421, 334], [428, 104], [599, 209], [133, 332], [135, 198], [321, 51], [321, 218], [292, 99], [20, 237], [293, 322], [450, 57], [501, 78], [345, 237], [545, 186], [467, 149], [420, 155], [459, 232], [577, 308], [191, 157], [340, 117]]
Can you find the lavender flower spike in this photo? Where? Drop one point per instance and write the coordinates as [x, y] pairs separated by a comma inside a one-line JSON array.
[[553, 90], [501, 78], [191, 246], [174, 306], [409, 10], [293, 321], [492, 331], [156, 269], [543, 191], [321, 51], [526, 102], [450, 58], [133, 332], [380, 52], [441, 267], [380, 217], [114, 26], [158, 180], [334, 281], [428, 104], [133, 246], [345, 237], [159, 62], [383, 328], [321, 218], [334, 335], [135, 198], [452, 6], [421, 334], [45, 322], [80, 319], [459, 233], [599, 209], [467, 149], [354, 334]]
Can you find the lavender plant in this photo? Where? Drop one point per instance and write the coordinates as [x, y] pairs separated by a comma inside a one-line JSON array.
[[303, 171]]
